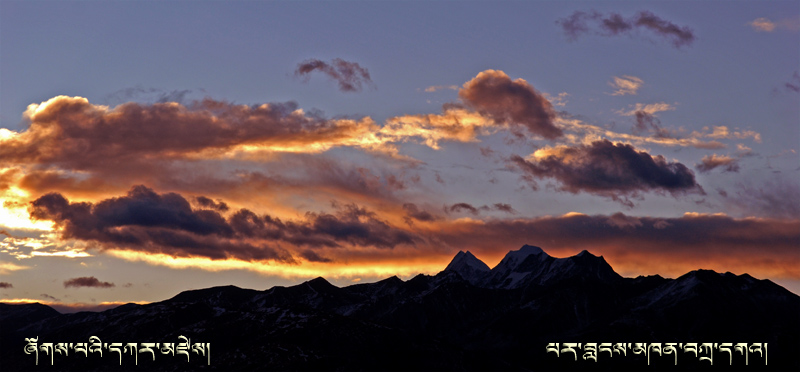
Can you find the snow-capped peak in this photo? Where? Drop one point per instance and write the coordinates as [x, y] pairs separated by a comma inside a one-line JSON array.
[[464, 260], [514, 258], [469, 267]]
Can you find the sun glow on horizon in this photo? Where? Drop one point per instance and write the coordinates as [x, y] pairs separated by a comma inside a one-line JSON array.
[[350, 270]]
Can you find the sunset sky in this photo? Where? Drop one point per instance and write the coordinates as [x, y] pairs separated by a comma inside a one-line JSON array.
[[148, 148]]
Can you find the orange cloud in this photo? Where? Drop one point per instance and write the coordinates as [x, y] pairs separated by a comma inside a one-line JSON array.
[[625, 84], [514, 103]]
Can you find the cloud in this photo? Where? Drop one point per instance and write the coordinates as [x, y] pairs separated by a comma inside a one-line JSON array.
[[435, 88], [710, 162], [650, 108], [413, 212], [514, 103], [49, 297], [580, 132], [777, 197], [208, 203], [583, 133], [502, 207], [648, 122], [87, 281], [350, 75], [146, 221], [607, 169], [6, 285], [743, 150], [793, 85], [71, 133], [459, 207], [763, 24], [723, 132], [557, 100], [489, 102], [454, 124], [625, 84], [208, 147], [466, 207], [6, 268], [579, 23], [311, 256]]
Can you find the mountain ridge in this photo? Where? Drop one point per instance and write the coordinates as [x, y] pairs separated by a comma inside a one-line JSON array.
[[496, 319]]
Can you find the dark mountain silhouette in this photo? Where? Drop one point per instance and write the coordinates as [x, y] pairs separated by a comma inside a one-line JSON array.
[[467, 317]]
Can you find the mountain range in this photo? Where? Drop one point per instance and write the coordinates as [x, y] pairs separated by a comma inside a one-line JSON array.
[[467, 317]]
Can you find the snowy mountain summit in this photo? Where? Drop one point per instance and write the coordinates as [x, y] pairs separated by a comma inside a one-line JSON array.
[[469, 267], [529, 265]]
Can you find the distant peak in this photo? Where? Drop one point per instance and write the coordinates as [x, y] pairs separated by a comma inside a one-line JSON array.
[[391, 280], [320, 282], [464, 260]]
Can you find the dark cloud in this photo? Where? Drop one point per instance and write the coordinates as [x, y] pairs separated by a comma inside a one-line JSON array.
[[312, 256], [49, 297], [502, 207], [6, 285], [710, 162], [412, 211], [612, 170], [87, 281], [146, 221], [615, 24], [679, 36], [350, 76], [579, 23], [647, 122], [395, 183], [486, 151], [166, 223], [510, 102], [460, 207], [351, 224], [208, 203], [576, 24], [794, 84]]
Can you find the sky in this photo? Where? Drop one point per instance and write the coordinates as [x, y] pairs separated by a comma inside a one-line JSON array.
[[148, 148]]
